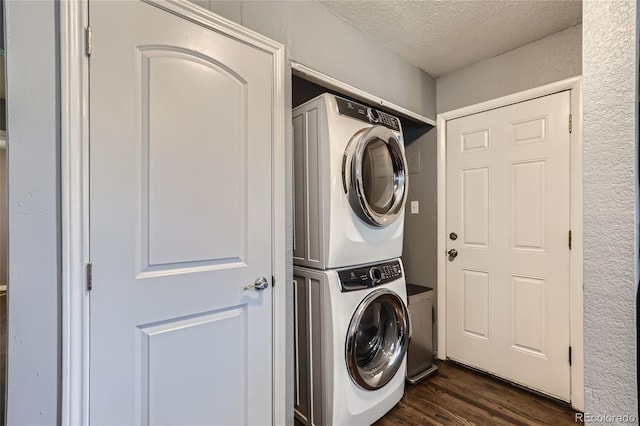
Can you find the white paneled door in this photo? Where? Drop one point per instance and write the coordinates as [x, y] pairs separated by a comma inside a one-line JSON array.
[[508, 221], [181, 119]]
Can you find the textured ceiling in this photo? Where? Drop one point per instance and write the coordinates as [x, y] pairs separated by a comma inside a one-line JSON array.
[[442, 36]]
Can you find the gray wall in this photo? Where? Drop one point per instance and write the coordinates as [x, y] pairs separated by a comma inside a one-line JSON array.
[[547, 60], [316, 38], [420, 239], [34, 240], [610, 184], [419, 253]]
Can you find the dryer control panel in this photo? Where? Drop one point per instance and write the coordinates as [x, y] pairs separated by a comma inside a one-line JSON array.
[[367, 114], [364, 277]]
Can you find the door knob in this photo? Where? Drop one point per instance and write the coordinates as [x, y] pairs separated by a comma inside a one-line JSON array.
[[260, 284], [453, 253]]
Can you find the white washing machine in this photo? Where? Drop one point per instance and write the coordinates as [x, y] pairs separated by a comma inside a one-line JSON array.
[[352, 331], [350, 184]]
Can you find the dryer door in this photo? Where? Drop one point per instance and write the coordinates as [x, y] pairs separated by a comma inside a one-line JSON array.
[[374, 175], [377, 339]]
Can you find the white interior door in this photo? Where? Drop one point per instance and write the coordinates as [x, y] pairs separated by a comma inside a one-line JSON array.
[[180, 221], [508, 201]]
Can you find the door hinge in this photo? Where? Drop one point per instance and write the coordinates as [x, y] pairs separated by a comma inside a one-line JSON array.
[[87, 41], [570, 239], [570, 123], [89, 276], [273, 281], [569, 355]]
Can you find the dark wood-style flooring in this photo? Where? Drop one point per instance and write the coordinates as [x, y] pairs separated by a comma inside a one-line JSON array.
[[459, 396]]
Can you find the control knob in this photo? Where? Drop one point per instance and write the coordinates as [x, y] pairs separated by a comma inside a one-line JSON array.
[[373, 115], [375, 274]]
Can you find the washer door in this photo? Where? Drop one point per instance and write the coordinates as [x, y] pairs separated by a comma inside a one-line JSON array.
[[374, 175], [377, 339]]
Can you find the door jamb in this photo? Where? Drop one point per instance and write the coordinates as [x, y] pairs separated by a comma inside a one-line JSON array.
[[74, 89], [573, 84]]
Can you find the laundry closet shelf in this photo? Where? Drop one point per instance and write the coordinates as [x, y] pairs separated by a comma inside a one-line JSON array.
[[331, 83]]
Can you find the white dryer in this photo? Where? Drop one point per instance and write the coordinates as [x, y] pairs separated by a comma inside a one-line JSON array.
[[350, 184], [351, 336]]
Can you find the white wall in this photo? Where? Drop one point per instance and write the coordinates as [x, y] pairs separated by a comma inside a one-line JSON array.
[[547, 60], [610, 184], [34, 239], [316, 38]]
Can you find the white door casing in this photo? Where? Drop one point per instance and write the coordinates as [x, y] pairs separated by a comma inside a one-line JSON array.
[[187, 209], [574, 290]]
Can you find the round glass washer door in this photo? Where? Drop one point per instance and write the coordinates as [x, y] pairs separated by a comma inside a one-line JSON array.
[[374, 175], [377, 339]]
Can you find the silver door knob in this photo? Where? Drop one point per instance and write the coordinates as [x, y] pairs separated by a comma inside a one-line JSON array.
[[260, 284], [453, 253]]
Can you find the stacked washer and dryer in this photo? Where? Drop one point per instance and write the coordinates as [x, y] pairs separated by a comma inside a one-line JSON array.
[[352, 326]]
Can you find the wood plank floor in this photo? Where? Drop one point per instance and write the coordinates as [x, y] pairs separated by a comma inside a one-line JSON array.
[[459, 396]]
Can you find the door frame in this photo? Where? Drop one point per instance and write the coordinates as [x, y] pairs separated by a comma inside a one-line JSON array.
[[74, 116], [576, 256]]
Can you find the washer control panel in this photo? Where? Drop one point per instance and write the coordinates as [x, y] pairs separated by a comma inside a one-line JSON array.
[[364, 277], [367, 114]]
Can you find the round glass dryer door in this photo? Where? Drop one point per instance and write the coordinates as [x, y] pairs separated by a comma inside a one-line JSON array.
[[377, 339], [374, 175]]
